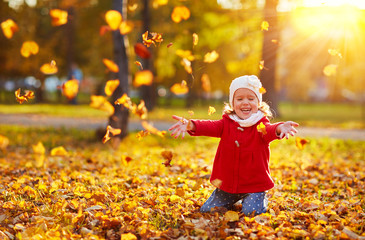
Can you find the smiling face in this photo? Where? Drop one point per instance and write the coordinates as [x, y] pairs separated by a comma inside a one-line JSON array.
[[245, 103]]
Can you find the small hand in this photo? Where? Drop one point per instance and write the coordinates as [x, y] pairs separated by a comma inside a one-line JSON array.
[[180, 127], [288, 128]]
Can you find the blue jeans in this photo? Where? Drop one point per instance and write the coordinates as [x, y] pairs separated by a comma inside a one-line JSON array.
[[251, 202]]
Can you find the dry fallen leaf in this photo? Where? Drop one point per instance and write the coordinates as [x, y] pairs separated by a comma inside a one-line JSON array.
[[28, 95], [167, 155]]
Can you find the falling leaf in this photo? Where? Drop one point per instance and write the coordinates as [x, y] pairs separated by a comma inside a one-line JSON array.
[[152, 129], [132, 7], [139, 64], [9, 27], [142, 51], [262, 65], [262, 90], [169, 45], [59, 17], [231, 216], [110, 86], [187, 65], [158, 3], [110, 131], [59, 151], [142, 133], [104, 29], [211, 110], [300, 142], [179, 88], [211, 57], [275, 41], [195, 39], [111, 65], [140, 110], [167, 155], [144, 77], [187, 54], [113, 18], [335, 52], [155, 38], [4, 142], [70, 88], [206, 82], [49, 68], [264, 26], [28, 48], [330, 70], [101, 103], [126, 27], [125, 101], [261, 128], [217, 183], [28, 95], [191, 113], [180, 13]]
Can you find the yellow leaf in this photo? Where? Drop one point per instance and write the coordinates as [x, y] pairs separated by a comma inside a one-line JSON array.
[[217, 183], [187, 65], [111, 65], [262, 66], [180, 13], [128, 236], [191, 113], [39, 148], [49, 68], [144, 77], [264, 26], [175, 199], [211, 110], [28, 95], [70, 88], [59, 151], [231, 216], [206, 82], [185, 54], [179, 89], [157, 3], [125, 101], [113, 18], [211, 57], [110, 86], [139, 64], [4, 142], [152, 129], [155, 38], [126, 27], [195, 39], [28, 48], [110, 131], [262, 90], [261, 128], [9, 27], [140, 110], [101, 103], [59, 17], [300, 142]]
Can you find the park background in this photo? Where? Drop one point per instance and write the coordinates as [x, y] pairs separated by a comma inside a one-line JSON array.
[[64, 182]]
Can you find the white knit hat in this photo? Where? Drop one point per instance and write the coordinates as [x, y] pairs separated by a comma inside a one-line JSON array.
[[248, 81]]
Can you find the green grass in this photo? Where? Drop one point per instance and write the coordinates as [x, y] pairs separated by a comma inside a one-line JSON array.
[[339, 115]]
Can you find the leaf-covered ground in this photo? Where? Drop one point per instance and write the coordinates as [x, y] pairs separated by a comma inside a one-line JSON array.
[[95, 191]]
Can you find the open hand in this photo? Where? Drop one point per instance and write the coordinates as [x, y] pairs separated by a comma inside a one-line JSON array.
[[286, 129], [181, 127]]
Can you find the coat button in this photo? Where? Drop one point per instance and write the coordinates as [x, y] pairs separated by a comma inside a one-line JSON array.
[[241, 129], [237, 144]]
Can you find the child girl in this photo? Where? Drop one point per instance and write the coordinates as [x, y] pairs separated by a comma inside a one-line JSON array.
[[241, 164]]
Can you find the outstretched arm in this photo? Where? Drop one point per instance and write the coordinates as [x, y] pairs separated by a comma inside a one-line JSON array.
[[181, 127], [286, 129]]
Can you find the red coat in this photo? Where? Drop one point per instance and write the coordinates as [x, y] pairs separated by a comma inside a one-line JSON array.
[[241, 163]]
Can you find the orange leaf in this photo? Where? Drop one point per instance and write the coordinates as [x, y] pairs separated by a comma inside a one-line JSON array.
[[179, 88], [155, 38], [59, 17], [28, 48], [140, 110], [70, 88], [211, 57], [185, 54], [169, 45], [28, 95], [49, 68], [180, 13], [113, 18], [143, 78], [142, 51], [126, 27], [132, 7], [112, 66], [167, 155], [110, 131], [110, 86], [262, 90], [100, 102], [261, 128], [187, 65], [195, 39], [264, 26], [211, 110], [300, 142], [206, 82], [104, 29], [9, 27], [142, 134], [157, 3], [139, 64], [152, 129], [125, 101]]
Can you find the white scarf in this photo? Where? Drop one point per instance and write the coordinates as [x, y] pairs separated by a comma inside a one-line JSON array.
[[252, 120]]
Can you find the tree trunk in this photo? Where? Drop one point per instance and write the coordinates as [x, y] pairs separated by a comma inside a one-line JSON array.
[[269, 54], [147, 92], [121, 114]]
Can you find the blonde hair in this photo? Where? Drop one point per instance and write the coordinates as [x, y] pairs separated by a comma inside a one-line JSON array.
[[264, 107]]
